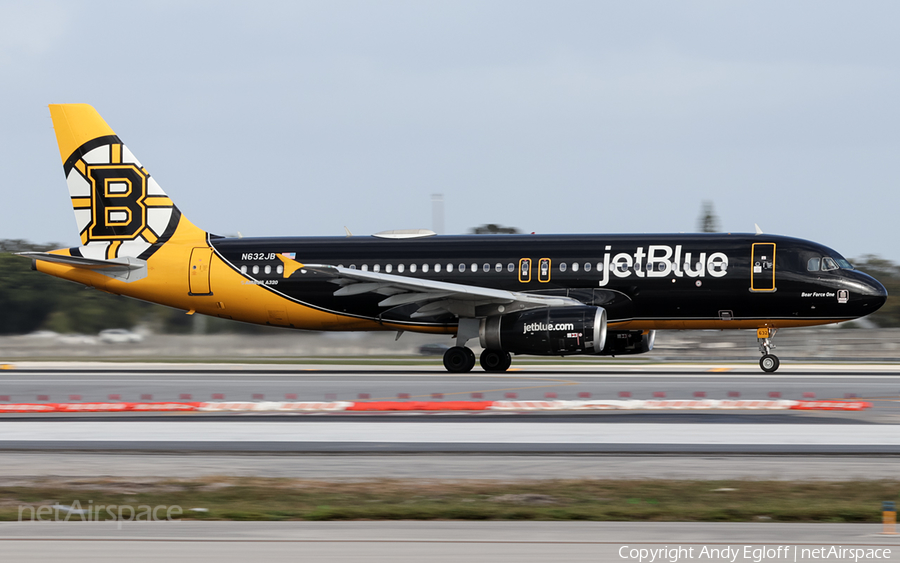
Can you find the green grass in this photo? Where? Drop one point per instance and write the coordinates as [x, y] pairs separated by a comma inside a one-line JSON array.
[[599, 500]]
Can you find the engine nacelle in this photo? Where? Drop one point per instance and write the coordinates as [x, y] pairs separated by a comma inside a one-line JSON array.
[[628, 342], [554, 331]]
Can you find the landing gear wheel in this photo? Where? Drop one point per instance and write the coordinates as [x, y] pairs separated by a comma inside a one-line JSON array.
[[459, 359], [495, 360], [769, 363]]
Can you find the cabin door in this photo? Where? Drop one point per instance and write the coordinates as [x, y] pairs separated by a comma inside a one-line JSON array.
[[762, 267]]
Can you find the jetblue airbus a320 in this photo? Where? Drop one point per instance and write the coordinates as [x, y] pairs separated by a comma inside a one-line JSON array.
[[553, 295]]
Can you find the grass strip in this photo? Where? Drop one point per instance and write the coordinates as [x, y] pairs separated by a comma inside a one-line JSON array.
[[588, 499]]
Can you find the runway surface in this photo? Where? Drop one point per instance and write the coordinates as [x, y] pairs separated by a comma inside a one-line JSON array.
[[874, 431], [435, 541], [322, 435], [33, 382]]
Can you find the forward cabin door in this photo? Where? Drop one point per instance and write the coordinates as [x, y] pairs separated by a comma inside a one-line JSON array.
[[762, 267], [198, 276]]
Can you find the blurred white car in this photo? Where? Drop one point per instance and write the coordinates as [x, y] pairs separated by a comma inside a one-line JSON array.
[[119, 336]]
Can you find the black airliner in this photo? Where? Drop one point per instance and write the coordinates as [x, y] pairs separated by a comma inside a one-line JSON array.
[[548, 295]]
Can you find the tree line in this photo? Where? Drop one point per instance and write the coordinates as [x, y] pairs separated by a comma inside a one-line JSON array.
[[30, 301]]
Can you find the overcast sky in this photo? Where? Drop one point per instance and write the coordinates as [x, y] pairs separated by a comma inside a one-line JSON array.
[[298, 118]]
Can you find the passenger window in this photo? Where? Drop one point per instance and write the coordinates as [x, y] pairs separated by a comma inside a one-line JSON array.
[[388, 268], [562, 266], [828, 264], [244, 269], [449, 268], [462, 267], [474, 267], [400, 268], [437, 268], [352, 266], [486, 267], [255, 270], [574, 266], [813, 264], [268, 269], [587, 266], [365, 267], [510, 267], [498, 267], [376, 268], [280, 269], [412, 268]]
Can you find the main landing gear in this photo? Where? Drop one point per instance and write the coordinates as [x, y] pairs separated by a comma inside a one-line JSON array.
[[769, 362], [495, 360], [460, 359]]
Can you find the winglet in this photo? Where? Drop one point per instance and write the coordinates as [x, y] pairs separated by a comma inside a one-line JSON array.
[[290, 265], [758, 230]]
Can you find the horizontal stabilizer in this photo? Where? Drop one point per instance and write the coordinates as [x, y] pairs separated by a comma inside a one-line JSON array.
[[125, 268]]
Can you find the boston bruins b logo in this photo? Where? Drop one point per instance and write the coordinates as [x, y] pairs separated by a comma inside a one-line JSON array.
[[118, 208]]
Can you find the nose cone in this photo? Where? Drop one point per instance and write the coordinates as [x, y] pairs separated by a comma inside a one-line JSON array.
[[874, 293]]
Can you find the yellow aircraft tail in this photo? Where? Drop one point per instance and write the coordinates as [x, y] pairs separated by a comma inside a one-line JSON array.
[[120, 210]]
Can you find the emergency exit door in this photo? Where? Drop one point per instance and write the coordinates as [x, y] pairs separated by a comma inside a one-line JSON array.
[[762, 267], [198, 275]]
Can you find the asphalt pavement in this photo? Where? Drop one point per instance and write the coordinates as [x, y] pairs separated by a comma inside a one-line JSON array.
[[441, 542]]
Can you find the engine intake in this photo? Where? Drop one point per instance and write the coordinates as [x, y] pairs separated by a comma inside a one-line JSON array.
[[554, 331]]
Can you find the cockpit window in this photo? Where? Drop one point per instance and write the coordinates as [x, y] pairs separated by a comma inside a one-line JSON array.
[[813, 264], [844, 264], [828, 264]]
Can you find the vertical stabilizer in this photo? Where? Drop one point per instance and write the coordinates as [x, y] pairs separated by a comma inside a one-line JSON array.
[[119, 208]]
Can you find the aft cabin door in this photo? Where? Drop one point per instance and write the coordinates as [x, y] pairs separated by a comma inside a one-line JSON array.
[[198, 276], [762, 267]]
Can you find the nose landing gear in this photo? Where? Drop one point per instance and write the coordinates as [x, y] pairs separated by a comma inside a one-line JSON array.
[[769, 362]]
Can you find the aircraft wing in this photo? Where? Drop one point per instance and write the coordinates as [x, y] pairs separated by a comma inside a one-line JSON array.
[[435, 297]]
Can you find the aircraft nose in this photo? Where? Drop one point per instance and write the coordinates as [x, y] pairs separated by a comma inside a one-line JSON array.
[[876, 295]]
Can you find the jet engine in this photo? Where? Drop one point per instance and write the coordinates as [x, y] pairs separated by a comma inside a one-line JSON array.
[[553, 331]]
